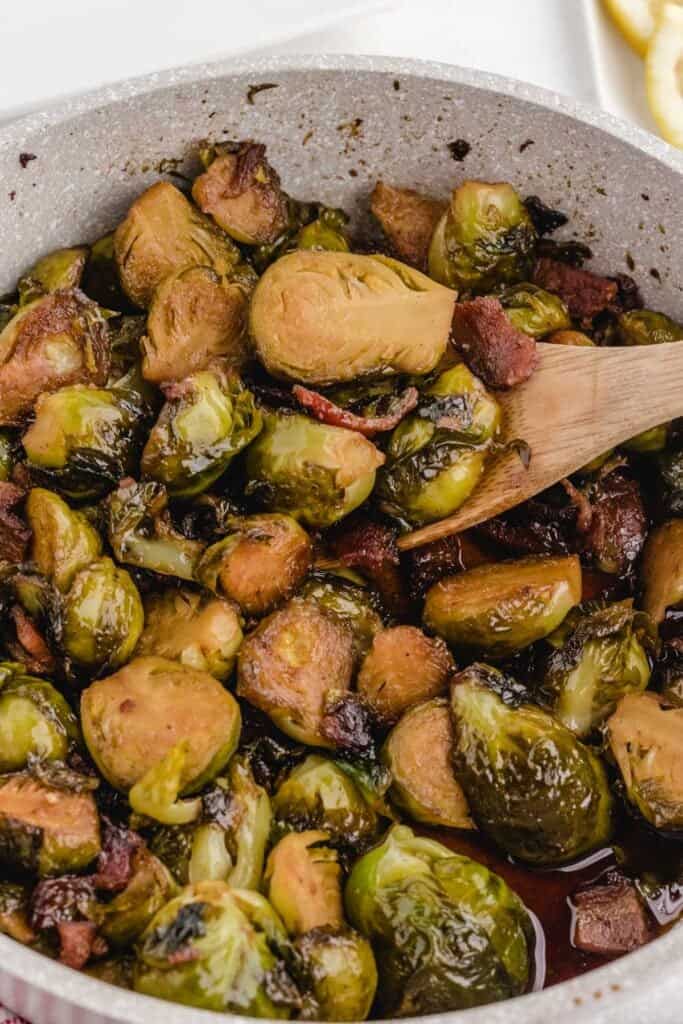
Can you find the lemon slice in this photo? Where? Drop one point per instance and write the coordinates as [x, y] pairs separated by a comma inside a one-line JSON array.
[[664, 74], [636, 20]]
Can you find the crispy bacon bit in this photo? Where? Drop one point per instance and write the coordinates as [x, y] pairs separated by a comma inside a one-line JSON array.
[[408, 220], [610, 919], [14, 533], [115, 862], [347, 724], [584, 510], [492, 348], [618, 525], [327, 412], [31, 648], [445, 557], [79, 941], [67, 898], [585, 294], [628, 295], [371, 549]]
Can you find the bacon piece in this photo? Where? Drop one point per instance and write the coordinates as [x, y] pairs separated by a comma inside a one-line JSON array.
[[327, 412], [492, 348], [79, 941], [585, 294], [115, 862], [618, 524], [31, 648], [428, 564], [371, 549], [584, 509], [14, 533], [408, 220], [610, 919]]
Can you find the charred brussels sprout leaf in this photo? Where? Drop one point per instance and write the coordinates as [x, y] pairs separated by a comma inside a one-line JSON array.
[[663, 569], [534, 310], [303, 882], [448, 933], [60, 269], [63, 541], [150, 887], [313, 472], [645, 327], [155, 795], [485, 238], [402, 668], [531, 784], [35, 720], [103, 617]]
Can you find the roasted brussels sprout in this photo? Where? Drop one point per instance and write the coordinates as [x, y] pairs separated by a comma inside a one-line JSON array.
[[448, 933], [328, 317], [501, 608], [103, 617], [649, 441], [533, 310], [60, 269], [408, 220], [436, 455], [485, 238], [100, 280], [419, 754], [260, 562], [598, 654], [63, 541], [141, 533], [241, 191], [198, 631], [325, 233], [663, 569], [303, 882], [291, 662], [35, 720], [314, 472], [14, 904], [196, 319], [132, 719], [319, 794], [402, 668], [7, 452], [348, 601], [162, 234], [150, 888], [216, 948], [45, 829], [645, 735], [248, 829], [51, 342], [207, 419], [645, 327], [337, 970], [570, 338], [531, 784]]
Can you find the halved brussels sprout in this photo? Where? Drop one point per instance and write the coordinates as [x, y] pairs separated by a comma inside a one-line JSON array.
[[195, 319], [290, 663], [645, 735], [14, 908], [325, 233], [132, 719], [349, 602], [531, 784], [336, 968], [103, 617], [215, 948], [241, 191], [163, 233], [44, 829], [199, 631], [260, 562], [402, 668], [62, 268], [662, 569], [645, 327], [419, 755], [63, 541], [35, 720], [319, 794], [448, 933], [150, 888], [436, 455], [326, 317], [599, 653], [505, 606], [51, 342], [408, 220], [207, 419], [485, 238], [314, 472], [533, 310], [303, 882]]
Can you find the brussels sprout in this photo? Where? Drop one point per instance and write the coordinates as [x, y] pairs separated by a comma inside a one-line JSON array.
[[418, 753], [198, 631], [60, 269], [599, 653], [103, 617], [51, 342], [402, 668], [448, 933], [101, 277], [150, 888], [319, 794], [7, 451], [663, 569], [207, 419], [195, 318], [531, 784], [349, 602], [241, 191], [327, 232], [174, 845], [648, 441], [436, 455], [290, 663], [645, 735], [670, 481], [162, 234], [485, 238], [303, 882], [645, 327], [134, 718], [85, 438], [502, 607], [260, 562], [44, 829], [533, 310], [314, 472], [215, 948], [570, 338], [141, 533], [155, 795], [408, 220], [14, 903], [336, 967], [35, 720], [63, 540], [327, 317]]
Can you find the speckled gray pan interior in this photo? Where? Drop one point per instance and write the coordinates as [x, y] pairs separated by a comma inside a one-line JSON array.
[[333, 125]]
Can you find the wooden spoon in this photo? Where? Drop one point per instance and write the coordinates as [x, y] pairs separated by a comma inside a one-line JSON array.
[[579, 403]]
